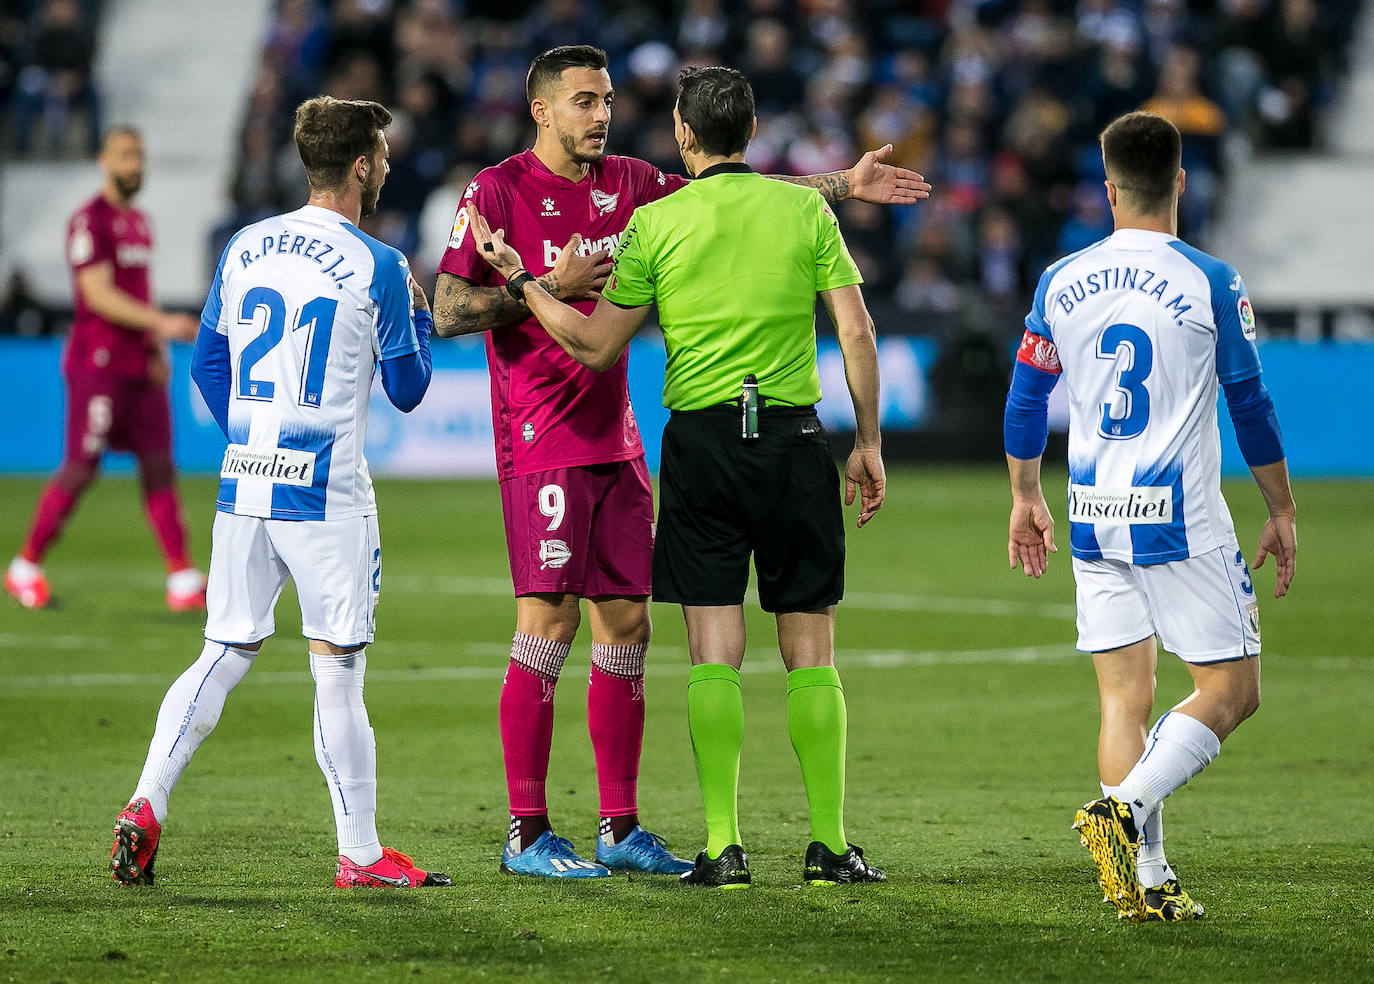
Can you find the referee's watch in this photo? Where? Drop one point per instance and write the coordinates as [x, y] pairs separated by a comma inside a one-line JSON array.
[[515, 286]]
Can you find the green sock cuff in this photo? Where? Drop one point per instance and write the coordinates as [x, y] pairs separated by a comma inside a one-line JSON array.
[[713, 671], [813, 676]]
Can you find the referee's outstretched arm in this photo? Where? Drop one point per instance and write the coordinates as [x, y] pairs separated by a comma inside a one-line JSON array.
[[858, 344]]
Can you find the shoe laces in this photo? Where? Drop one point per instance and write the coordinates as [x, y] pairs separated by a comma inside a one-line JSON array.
[[397, 858], [558, 844], [646, 842]]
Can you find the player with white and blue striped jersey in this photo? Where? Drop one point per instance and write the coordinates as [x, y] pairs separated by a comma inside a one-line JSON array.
[[1144, 329], [306, 304], [302, 308]]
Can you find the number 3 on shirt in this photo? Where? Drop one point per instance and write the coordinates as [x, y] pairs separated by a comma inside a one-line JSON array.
[[317, 316], [1130, 381]]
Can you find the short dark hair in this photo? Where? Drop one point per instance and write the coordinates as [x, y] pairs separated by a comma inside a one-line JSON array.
[[718, 104], [333, 133], [1141, 153], [549, 67]]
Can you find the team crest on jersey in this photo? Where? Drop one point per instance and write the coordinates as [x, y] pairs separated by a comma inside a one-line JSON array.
[[549, 210], [460, 229], [1247, 317], [605, 204], [553, 553]]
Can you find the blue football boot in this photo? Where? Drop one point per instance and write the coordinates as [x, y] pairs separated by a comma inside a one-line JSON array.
[[641, 851], [550, 857]]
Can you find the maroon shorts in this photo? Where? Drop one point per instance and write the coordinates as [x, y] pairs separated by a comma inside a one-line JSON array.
[[112, 413], [586, 530]]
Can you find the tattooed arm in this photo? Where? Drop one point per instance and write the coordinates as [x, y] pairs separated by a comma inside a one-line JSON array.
[[463, 308], [834, 187], [870, 180]]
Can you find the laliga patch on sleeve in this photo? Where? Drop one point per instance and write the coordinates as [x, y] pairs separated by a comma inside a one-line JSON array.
[[1247, 318], [1039, 352], [80, 248], [460, 229]]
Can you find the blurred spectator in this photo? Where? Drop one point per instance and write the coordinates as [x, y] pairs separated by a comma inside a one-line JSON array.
[[1088, 221], [1201, 122], [924, 287], [869, 239], [1001, 258], [12, 16], [767, 62], [1293, 60], [56, 79], [21, 312]]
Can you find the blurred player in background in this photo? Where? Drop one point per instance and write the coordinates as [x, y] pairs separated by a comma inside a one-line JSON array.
[[575, 491], [301, 309], [1143, 327], [742, 478], [116, 370]]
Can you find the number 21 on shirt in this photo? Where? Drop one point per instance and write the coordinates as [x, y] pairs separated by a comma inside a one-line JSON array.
[[317, 317]]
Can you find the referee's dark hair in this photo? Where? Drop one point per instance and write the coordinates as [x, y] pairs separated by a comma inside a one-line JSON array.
[[718, 104], [548, 67], [1141, 153]]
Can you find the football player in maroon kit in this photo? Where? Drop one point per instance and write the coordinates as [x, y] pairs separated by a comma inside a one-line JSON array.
[[116, 369], [575, 491]]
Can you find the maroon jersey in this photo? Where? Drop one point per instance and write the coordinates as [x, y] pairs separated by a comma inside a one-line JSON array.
[[547, 410], [103, 233]]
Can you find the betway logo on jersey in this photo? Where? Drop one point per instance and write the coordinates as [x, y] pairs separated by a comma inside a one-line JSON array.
[[588, 247], [282, 466], [1134, 505], [133, 255]]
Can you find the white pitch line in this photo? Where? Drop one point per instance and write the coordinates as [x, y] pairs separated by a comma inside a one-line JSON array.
[[500, 587], [760, 664]]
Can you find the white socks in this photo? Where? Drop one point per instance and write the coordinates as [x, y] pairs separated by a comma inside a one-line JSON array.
[[188, 714], [1178, 748], [347, 753], [1154, 868]]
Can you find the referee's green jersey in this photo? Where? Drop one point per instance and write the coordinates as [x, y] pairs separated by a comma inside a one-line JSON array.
[[734, 261]]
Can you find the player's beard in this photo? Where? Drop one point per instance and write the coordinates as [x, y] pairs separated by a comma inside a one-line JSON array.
[[370, 196], [569, 142], [128, 185]]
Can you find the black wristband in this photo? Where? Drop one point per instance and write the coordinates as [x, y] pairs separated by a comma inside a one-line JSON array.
[[515, 286]]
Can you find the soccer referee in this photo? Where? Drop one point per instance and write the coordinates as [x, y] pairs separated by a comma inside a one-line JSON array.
[[735, 262]]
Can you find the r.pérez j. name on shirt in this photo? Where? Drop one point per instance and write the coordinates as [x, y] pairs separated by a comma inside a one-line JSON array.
[[292, 245], [1121, 278]]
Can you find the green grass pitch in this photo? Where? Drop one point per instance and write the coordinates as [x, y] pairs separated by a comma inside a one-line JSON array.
[[972, 729]]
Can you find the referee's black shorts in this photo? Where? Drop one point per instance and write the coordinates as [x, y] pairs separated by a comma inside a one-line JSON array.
[[722, 497]]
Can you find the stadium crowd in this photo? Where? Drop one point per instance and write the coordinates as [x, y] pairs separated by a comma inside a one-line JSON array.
[[997, 102]]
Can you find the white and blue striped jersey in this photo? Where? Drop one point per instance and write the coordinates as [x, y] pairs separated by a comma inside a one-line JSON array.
[[308, 303], [1144, 327]]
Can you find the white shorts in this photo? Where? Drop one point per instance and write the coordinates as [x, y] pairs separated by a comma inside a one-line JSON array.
[[1203, 609], [336, 564]]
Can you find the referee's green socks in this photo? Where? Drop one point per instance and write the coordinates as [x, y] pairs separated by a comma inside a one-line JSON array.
[[816, 720], [715, 719]]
